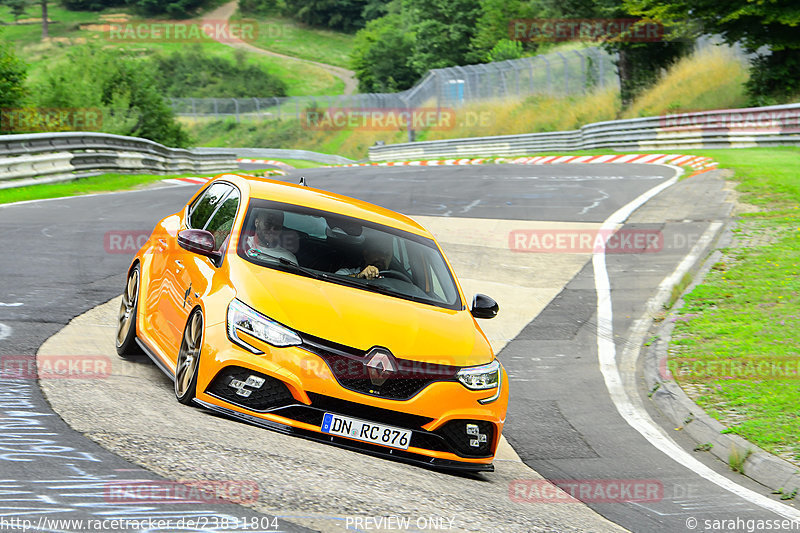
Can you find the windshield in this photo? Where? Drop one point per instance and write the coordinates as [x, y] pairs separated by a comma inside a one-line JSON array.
[[348, 251]]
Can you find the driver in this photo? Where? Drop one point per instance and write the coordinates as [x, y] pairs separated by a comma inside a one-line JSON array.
[[267, 240], [377, 255]]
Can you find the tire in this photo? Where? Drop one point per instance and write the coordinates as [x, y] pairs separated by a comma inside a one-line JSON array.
[[126, 321], [189, 359]]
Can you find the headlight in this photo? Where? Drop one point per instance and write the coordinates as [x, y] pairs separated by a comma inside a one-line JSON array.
[[243, 318], [480, 377]]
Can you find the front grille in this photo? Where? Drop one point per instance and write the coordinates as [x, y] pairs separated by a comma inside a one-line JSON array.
[[367, 412], [349, 367], [458, 436], [229, 385], [323, 404]]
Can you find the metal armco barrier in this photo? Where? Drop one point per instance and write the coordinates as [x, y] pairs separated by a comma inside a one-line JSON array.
[[730, 128], [279, 153], [49, 157]]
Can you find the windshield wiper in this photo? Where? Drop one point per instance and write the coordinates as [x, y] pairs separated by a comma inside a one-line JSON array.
[[307, 271], [285, 262], [389, 292]]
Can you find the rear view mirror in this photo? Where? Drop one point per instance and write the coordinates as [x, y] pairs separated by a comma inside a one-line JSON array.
[[197, 241], [484, 307]]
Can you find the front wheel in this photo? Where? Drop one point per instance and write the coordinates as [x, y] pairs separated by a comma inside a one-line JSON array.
[[126, 321], [189, 358]]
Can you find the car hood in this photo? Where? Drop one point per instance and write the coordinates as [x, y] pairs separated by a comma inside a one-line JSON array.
[[363, 319]]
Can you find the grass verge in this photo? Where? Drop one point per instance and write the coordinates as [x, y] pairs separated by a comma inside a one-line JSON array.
[[736, 344], [95, 184], [286, 36]]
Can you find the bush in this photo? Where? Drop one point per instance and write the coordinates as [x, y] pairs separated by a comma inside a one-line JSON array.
[[506, 49], [12, 78], [91, 5], [195, 74], [120, 86], [773, 77]]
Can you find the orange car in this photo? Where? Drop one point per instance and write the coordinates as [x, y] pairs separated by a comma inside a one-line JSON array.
[[318, 315]]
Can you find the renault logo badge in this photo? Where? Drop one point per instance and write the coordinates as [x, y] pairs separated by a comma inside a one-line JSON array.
[[380, 365]]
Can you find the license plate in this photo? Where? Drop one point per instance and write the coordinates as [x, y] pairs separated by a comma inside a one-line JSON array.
[[366, 431]]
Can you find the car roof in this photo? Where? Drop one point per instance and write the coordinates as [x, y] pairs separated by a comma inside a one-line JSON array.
[[278, 191]]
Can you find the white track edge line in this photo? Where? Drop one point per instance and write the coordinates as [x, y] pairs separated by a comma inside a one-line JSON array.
[[638, 418]]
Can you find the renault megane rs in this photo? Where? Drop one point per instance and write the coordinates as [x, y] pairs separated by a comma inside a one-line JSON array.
[[318, 315]]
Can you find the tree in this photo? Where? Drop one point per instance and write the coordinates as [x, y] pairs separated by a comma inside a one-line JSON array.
[[772, 23], [342, 15], [12, 78], [639, 63], [493, 26], [443, 31], [45, 20], [381, 56], [17, 7]]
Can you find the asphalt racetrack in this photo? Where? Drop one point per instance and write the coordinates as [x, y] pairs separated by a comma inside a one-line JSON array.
[[568, 419]]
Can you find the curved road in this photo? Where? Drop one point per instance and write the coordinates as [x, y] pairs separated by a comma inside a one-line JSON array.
[[562, 420]]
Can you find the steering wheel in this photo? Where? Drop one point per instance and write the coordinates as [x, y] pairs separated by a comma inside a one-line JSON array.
[[395, 274]]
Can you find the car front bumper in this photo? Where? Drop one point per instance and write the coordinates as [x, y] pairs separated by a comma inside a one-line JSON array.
[[435, 415]]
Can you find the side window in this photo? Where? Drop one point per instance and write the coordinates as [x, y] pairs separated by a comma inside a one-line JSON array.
[[205, 206], [222, 221]]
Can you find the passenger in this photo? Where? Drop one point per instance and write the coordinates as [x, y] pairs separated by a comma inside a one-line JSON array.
[[268, 232]]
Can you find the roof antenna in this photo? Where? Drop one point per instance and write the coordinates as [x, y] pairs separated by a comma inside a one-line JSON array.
[[303, 181]]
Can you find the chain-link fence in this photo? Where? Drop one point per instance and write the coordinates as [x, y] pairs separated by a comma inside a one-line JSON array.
[[571, 72]]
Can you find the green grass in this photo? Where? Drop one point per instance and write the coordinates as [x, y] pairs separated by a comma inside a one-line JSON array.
[[95, 184], [301, 163], [300, 78], [748, 306], [287, 36]]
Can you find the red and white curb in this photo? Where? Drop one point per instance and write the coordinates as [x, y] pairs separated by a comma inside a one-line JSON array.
[[186, 181], [692, 161], [202, 181], [280, 164], [695, 162]]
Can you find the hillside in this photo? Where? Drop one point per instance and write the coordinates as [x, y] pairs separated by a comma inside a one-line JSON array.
[[69, 29], [684, 87]]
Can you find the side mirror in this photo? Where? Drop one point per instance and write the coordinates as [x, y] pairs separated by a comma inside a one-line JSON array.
[[197, 241], [484, 307]]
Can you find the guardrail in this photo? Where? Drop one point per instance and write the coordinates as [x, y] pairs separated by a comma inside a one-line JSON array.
[[50, 157], [280, 153], [730, 128]]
